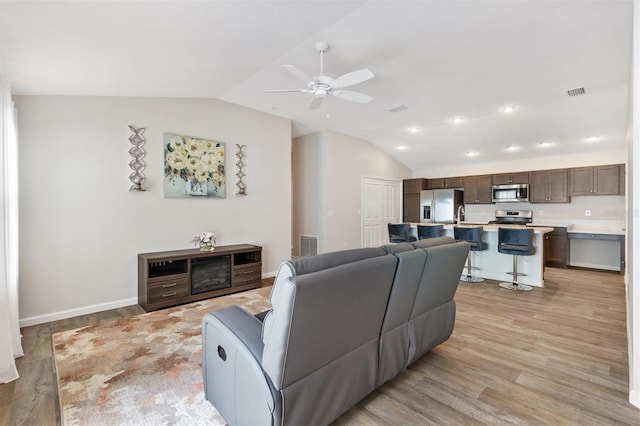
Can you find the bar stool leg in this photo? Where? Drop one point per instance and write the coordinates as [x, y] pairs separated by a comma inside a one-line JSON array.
[[469, 278], [513, 285]]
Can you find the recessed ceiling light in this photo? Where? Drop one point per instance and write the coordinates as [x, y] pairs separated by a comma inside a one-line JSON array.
[[545, 144], [414, 129], [512, 148], [401, 147], [328, 115], [592, 138], [508, 109], [470, 153], [456, 120]]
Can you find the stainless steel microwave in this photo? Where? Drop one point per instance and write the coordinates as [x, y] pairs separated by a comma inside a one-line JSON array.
[[510, 193]]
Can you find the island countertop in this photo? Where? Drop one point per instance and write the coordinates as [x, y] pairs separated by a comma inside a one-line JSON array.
[[492, 264], [487, 227]]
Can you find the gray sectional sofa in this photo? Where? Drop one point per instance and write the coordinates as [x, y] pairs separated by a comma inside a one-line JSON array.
[[341, 325]]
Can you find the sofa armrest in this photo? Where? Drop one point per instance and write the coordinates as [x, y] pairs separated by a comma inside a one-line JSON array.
[[234, 381]]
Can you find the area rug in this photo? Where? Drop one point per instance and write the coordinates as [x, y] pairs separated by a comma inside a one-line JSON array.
[[142, 370]]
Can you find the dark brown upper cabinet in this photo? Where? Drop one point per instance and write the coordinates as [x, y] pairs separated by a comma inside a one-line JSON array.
[[442, 183], [548, 186], [477, 189], [508, 178], [414, 186], [597, 180]]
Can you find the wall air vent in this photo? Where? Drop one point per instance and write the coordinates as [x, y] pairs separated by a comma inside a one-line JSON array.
[[576, 92], [308, 245], [396, 108]]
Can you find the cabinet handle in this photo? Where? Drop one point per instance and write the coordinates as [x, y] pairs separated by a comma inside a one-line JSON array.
[[169, 285], [169, 294], [245, 272]]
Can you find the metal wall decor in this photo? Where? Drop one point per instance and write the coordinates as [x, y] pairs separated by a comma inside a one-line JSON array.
[[242, 188], [137, 152]]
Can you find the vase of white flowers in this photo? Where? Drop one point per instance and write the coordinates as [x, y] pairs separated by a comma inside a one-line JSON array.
[[206, 241]]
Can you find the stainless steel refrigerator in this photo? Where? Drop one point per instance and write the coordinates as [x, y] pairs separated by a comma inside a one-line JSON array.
[[441, 205]]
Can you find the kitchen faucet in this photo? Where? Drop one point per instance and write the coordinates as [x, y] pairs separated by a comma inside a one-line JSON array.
[[460, 207]]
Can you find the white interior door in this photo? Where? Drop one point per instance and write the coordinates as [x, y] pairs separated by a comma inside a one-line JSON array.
[[380, 205]]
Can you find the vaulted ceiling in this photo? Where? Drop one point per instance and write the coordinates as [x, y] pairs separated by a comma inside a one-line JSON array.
[[439, 59]]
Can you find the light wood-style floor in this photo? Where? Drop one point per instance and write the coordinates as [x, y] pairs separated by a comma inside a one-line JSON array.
[[556, 355]]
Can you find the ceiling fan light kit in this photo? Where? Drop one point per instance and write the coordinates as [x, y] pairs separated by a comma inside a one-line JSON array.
[[323, 85]]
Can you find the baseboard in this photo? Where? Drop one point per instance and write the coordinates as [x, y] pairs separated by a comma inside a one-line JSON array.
[[634, 398], [595, 266], [55, 316]]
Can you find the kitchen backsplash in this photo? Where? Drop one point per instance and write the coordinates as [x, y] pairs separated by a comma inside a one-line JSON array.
[[606, 212]]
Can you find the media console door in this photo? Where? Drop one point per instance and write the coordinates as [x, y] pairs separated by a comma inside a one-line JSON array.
[[176, 277]]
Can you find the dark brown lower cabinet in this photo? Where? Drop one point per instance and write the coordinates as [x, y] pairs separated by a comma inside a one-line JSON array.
[[556, 248]]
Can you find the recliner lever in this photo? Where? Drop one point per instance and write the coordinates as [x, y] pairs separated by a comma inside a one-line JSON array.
[[222, 353]]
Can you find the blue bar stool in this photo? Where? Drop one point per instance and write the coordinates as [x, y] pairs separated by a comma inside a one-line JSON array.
[[430, 231], [399, 233], [517, 242], [473, 235]]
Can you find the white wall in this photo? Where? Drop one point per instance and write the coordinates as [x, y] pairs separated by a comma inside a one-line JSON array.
[[80, 227], [308, 165], [633, 204], [343, 161]]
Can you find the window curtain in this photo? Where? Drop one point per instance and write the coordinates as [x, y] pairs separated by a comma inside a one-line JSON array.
[[10, 343]]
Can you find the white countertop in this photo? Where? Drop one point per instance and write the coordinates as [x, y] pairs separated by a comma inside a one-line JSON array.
[[597, 231], [486, 227]]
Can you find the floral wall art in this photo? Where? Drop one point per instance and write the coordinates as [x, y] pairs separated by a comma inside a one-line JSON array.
[[193, 167]]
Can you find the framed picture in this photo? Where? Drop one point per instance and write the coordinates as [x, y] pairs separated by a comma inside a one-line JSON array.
[[193, 167]]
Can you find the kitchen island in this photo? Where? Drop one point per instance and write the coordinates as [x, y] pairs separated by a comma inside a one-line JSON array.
[[495, 265]]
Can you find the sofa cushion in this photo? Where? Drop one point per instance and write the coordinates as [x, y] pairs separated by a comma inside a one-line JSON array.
[[325, 315], [397, 248], [430, 242], [307, 265]]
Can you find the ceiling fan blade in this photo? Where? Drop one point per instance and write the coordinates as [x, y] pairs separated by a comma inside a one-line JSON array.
[[298, 73], [352, 78], [286, 91], [350, 95], [316, 102]]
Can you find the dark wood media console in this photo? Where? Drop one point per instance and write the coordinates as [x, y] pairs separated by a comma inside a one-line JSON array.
[[170, 278]]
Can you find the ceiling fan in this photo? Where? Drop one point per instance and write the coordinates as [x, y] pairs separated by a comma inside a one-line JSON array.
[[323, 85]]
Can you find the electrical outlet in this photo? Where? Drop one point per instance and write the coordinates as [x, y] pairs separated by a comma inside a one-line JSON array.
[[587, 212], [540, 212], [346, 244]]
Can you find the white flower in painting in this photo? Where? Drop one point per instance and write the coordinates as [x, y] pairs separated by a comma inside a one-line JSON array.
[[209, 163], [218, 179], [194, 147], [177, 160], [193, 164], [208, 146], [201, 175], [219, 154], [177, 143]]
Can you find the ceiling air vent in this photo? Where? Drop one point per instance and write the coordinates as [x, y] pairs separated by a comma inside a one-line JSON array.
[[576, 92], [396, 108]]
